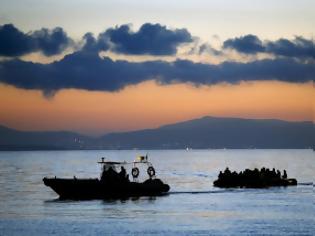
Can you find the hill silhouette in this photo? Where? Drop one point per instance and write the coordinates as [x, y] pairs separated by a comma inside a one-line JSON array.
[[206, 132]]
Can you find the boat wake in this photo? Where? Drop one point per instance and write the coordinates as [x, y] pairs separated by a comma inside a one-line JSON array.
[[306, 184], [206, 192]]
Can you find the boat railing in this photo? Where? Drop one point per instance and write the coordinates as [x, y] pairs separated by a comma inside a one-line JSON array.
[[135, 172]]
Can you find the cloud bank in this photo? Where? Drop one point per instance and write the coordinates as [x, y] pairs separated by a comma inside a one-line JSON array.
[[245, 44], [13, 42], [82, 70], [150, 39], [251, 44]]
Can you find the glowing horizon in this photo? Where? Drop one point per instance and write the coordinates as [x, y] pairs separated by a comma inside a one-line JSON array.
[[149, 105]]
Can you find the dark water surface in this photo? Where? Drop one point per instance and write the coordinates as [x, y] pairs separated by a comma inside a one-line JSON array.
[[27, 207]]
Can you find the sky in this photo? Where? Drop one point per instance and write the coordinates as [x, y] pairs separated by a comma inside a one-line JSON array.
[[103, 66]]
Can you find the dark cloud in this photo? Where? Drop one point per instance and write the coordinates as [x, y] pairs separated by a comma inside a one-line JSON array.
[[299, 48], [153, 39], [51, 42], [251, 44], [86, 70], [13, 42], [92, 44]]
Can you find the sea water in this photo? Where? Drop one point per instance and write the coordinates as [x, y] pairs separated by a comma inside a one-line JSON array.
[[193, 206]]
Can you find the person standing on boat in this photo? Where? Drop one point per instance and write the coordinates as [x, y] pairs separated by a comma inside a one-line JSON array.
[[122, 172]]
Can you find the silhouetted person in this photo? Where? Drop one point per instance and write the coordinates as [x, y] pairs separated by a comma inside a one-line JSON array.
[[227, 171], [220, 175], [278, 174], [284, 176], [122, 172], [109, 175]]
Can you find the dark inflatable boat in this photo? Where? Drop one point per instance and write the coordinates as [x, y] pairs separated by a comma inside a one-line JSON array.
[[112, 184], [263, 178]]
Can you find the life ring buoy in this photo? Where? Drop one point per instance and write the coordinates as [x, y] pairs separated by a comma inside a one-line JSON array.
[[135, 172], [151, 171]]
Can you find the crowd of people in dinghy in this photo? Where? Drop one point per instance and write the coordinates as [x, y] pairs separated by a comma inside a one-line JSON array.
[[256, 173], [256, 177]]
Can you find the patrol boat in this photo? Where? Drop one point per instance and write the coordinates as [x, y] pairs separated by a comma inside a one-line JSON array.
[[111, 184]]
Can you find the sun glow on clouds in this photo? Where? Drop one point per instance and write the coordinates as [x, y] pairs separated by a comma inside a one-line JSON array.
[[148, 105]]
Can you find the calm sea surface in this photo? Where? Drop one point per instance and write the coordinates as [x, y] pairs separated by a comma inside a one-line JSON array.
[[27, 207]]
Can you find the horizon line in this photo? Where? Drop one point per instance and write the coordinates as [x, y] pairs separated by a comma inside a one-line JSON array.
[[160, 126]]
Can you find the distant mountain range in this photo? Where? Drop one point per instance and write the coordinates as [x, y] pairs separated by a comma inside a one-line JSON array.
[[203, 133]]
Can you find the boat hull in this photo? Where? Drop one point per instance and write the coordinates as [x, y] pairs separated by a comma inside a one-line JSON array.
[[96, 189], [254, 183]]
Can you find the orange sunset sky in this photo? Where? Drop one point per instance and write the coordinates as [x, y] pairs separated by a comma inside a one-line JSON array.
[[150, 105], [41, 88]]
